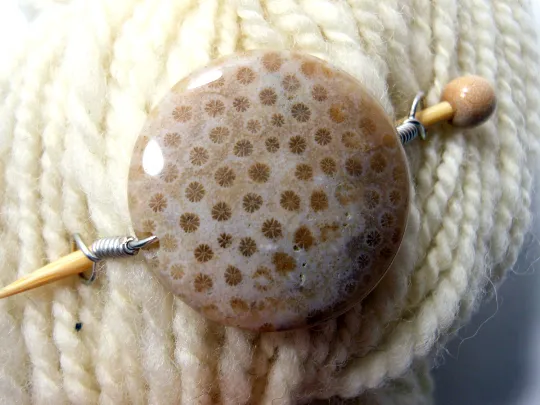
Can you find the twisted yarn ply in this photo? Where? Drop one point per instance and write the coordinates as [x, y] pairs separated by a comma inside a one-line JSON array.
[[73, 100]]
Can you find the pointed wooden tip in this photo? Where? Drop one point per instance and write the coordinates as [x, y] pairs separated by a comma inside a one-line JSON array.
[[69, 265]]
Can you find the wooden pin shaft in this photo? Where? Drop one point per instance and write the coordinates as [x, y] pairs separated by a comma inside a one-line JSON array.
[[72, 264], [438, 113]]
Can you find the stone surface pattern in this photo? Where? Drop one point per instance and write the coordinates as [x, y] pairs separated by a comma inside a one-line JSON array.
[[277, 187]]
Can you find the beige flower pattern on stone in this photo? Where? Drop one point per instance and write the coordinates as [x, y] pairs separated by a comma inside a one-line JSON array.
[[189, 222], [169, 173], [278, 120], [337, 113], [172, 140], [291, 83], [268, 96], [243, 148], [319, 201], [195, 192], [253, 126], [245, 75], [149, 226], [367, 124], [221, 212], [272, 144], [182, 113], [225, 240], [319, 93], [387, 220], [328, 166], [198, 156], [259, 172], [177, 271], [323, 136], [394, 197], [303, 238], [297, 145], [233, 276], [241, 104], [225, 176], [301, 112], [308, 68], [363, 261], [290, 201], [283, 263], [378, 163], [272, 62], [168, 243], [372, 199], [203, 253], [202, 283], [219, 134], [239, 305], [252, 202], [373, 238], [303, 172], [351, 140], [158, 202], [214, 108], [247, 247], [398, 174], [271, 228], [263, 279], [354, 167]]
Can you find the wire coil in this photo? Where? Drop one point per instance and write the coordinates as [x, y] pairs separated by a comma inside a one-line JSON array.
[[409, 130], [114, 247], [411, 127], [110, 248]]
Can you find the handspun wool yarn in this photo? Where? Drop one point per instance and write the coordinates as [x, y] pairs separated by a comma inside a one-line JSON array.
[[73, 100]]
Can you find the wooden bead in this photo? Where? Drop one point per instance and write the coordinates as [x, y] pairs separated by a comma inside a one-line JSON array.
[[277, 187], [472, 98]]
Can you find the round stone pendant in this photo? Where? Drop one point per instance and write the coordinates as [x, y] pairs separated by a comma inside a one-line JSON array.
[[278, 189]]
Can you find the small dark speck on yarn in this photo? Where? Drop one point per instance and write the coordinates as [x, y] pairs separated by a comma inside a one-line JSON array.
[[78, 326]]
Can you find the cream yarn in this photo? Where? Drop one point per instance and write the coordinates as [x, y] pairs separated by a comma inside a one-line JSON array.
[[73, 101]]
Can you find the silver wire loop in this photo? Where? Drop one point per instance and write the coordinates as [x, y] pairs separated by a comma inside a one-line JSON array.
[[411, 127], [108, 248], [416, 102], [83, 248]]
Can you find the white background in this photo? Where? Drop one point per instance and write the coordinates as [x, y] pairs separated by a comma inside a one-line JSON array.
[[496, 359]]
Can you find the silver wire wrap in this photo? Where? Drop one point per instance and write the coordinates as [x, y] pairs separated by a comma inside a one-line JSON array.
[[411, 127], [407, 132], [110, 248]]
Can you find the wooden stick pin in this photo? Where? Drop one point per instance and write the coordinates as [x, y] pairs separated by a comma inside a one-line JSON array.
[[466, 102]]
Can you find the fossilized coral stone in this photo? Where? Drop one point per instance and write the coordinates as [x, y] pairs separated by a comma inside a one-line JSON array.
[[277, 187]]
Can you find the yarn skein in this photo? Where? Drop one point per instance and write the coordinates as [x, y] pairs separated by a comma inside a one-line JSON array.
[[74, 98]]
